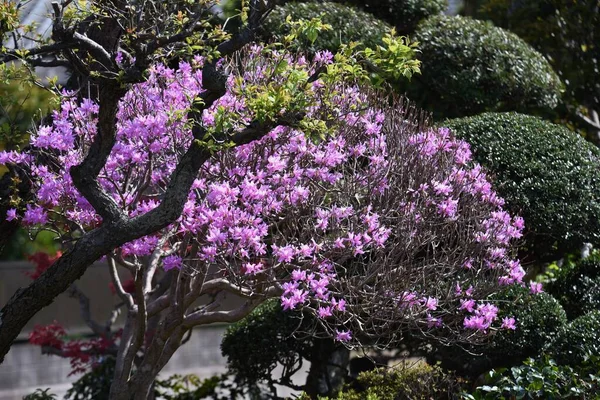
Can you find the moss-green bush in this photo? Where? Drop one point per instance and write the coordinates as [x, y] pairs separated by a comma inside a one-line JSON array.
[[546, 173], [578, 288], [471, 66], [578, 341], [348, 23]]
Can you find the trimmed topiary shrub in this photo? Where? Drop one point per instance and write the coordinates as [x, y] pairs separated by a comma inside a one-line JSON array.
[[579, 341], [348, 24], [539, 320], [270, 336], [471, 66], [565, 31], [545, 172], [578, 288], [403, 14]]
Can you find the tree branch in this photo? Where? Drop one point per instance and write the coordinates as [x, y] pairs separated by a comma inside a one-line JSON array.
[[202, 317], [126, 297], [86, 315], [85, 174]]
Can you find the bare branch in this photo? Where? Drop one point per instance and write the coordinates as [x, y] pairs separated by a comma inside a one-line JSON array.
[[204, 317], [84, 305], [85, 174], [126, 297]]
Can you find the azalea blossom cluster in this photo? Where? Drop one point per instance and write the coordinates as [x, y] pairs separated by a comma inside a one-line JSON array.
[[378, 224]]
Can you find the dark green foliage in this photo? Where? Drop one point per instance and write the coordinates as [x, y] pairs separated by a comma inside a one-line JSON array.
[[539, 379], [422, 382], [403, 14], [254, 345], [191, 387], [546, 173], [578, 288], [94, 385], [348, 23], [270, 336], [539, 319], [578, 341], [470, 66], [566, 31]]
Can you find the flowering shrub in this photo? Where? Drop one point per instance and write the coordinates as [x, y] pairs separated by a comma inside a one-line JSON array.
[[42, 261], [356, 213]]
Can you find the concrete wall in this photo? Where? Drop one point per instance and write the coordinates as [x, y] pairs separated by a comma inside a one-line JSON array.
[[26, 369]]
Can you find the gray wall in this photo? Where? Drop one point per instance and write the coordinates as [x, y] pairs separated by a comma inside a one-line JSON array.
[[26, 369]]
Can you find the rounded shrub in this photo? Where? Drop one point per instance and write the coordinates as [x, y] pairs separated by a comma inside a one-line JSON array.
[[403, 14], [539, 320], [578, 288], [579, 341], [349, 24], [565, 31], [471, 66], [545, 172]]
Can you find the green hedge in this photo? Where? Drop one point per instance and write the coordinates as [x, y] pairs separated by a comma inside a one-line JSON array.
[[348, 23], [578, 288], [539, 379], [539, 320], [471, 66], [579, 341], [403, 14], [545, 172]]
